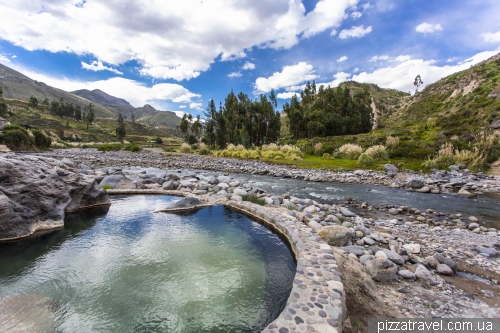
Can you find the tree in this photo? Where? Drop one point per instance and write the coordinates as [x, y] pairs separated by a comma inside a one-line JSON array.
[[120, 130], [418, 82], [3, 106], [78, 113], [46, 102], [33, 101], [132, 118], [90, 115]]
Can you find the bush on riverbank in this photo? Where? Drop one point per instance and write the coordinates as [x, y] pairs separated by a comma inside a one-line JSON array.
[[254, 199], [269, 152], [18, 138], [118, 146]]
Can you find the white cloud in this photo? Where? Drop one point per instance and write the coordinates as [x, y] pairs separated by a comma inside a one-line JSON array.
[[337, 79], [381, 57], [355, 32], [402, 58], [491, 37], [356, 15], [97, 65], [248, 66], [134, 92], [333, 33], [367, 6], [4, 59], [183, 106], [14, 56], [402, 75], [287, 95], [234, 74], [179, 113], [428, 28], [342, 59], [356, 70], [289, 76], [195, 105], [179, 40]]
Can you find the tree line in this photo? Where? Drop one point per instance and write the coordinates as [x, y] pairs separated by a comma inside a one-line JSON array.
[[241, 120], [327, 112]]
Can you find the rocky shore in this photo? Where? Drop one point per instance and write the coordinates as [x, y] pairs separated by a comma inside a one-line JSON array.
[[36, 192], [458, 180]]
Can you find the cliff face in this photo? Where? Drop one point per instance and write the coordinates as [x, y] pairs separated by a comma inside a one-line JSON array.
[[36, 192]]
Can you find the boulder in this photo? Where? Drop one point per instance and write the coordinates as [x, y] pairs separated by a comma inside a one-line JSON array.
[[391, 169], [168, 185], [36, 192], [346, 212], [406, 274], [447, 261], [118, 182], [432, 262], [185, 203], [357, 250], [213, 181], [444, 269], [424, 274], [489, 251], [240, 192], [381, 269], [335, 235], [416, 183], [412, 248]]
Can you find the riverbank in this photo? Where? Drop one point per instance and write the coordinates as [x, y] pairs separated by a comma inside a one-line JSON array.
[[404, 259]]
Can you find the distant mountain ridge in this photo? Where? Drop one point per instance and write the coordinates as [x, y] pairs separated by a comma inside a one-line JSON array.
[[18, 86], [147, 113]]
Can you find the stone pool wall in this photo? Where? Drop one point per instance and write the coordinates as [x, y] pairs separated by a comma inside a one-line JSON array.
[[317, 300]]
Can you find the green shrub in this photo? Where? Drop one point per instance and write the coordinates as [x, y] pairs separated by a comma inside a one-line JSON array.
[[350, 151], [158, 140], [326, 155], [132, 147], [106, 187], [109, 147], [254, 199], [41, 140], [365, 159], [185, 148], [16, 137]]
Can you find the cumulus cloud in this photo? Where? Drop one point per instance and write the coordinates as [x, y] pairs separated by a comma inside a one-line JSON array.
[[288, 77], [179, 40], [287, 95], [355, 32], [356, 15], [491, 37], [428, 28], [402, 58], [97, 65], [195, 105], [248, 66], [342, 59], [183, 106], [380, 57], [337, 79], [234, 74], [402, 75], [4, 59]]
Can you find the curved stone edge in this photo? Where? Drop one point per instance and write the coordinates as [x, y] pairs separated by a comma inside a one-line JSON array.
[[153, 192], [317, 300], [183, 209]]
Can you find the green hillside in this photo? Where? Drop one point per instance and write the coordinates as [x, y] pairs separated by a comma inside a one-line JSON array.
[[145, 114], [18, 86]]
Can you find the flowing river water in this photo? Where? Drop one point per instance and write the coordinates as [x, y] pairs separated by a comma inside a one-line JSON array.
[[131, 270], [486, 207]]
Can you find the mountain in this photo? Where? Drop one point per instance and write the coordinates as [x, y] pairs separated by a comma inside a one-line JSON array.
[[458, 106], [18, 86], [150, 115], [146, 114]]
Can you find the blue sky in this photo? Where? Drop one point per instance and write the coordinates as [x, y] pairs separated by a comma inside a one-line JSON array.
[[177, 55]]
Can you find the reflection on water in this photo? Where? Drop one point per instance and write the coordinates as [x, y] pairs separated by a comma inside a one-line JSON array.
[[136, 271]]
